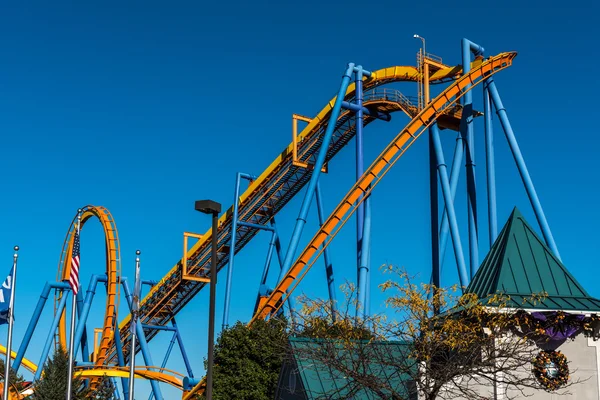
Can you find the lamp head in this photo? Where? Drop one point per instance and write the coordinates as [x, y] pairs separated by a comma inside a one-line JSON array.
[[208, 206]]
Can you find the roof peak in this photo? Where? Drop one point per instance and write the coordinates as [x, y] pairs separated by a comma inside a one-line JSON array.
[[520, 265]]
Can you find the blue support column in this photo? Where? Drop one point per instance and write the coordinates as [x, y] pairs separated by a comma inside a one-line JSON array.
[[363, 301], [441, 165], [434, 218], [360, 210], [362, 245], [34, 320], [49, 339], [467, 131], [316, 173], [280, 257], [116, 391], [166, 358], [141, 337], [121, 361], [186, 361], [234, 223], [326, 258], [490, 165], [85, 351], [522, 167], [368, 301], [86, 308], [454, 176], [265, 274]]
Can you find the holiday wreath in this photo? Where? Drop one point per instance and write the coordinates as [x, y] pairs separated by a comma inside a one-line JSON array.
[[551, 369]]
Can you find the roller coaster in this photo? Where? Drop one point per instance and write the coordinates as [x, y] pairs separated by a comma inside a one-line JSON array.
[[298, 168]]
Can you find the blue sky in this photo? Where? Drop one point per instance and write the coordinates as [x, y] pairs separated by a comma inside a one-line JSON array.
[[144, 107]]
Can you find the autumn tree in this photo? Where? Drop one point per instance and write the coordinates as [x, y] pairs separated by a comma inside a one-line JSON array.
[[446, 345]]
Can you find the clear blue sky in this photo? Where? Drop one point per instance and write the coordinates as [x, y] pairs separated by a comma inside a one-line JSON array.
[[144, 107]]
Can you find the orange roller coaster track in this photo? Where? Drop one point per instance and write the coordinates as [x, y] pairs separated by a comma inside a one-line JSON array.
[[372, 176]]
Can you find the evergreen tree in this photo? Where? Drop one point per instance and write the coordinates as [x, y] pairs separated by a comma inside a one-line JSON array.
[[53, 384], [248, 360]]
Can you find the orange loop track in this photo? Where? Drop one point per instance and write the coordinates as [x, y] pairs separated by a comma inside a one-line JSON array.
[[113, 272]]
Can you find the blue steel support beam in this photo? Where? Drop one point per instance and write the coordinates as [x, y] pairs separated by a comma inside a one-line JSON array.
[[34, 320], [368, 305], [186, 361], [364, 261], [262, 287], [49, 339], [522, 167], [360, 211], [490, 165], [255, 226], [314, 178], [263, 279], [234, 223], [141, 336], [280, 257], [121, 361], [159, 327], [371, 113], [441, 165], [116, 391], [454, 176], [326, 258], [166, 358], [467, 130], [85, 312], [85, 352], [434, 218]]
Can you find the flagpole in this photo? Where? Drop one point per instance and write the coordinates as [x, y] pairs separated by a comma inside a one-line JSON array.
[[134, 314], [11, 319], [73, 314]]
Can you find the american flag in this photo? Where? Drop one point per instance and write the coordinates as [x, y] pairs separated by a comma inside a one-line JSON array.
[[74, 275]]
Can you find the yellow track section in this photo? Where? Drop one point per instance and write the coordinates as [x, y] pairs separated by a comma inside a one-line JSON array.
[[378, 78], [372, 176], [29, 366], [113, 272], [165, 376]]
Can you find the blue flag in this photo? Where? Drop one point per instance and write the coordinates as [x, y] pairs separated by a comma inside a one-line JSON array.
[[5, 291]]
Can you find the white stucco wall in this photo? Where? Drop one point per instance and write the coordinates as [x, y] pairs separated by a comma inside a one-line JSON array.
[[583, 366], [582, 355]]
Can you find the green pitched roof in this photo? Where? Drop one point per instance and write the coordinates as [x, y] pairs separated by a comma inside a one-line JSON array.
[[520, 264], [319, 379]]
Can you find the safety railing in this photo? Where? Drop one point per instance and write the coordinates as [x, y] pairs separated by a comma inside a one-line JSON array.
[[392, 95], [429, 56]]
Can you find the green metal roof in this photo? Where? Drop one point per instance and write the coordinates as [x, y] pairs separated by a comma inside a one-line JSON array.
[[320, 381], [520, 264]]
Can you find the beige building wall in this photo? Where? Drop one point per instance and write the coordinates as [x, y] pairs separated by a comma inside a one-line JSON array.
[[584, 364]]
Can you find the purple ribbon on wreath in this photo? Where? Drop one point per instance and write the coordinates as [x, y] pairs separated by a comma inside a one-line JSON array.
[[563, 330]]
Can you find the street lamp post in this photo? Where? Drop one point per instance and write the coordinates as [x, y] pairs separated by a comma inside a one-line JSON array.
[[423, 40], [214, 208], [425, 71]]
